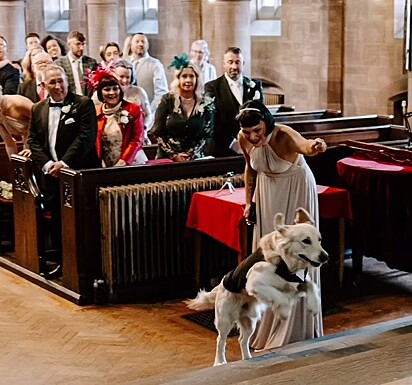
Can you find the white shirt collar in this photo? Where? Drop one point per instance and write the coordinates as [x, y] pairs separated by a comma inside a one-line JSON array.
[[74, 59], [238, 82]]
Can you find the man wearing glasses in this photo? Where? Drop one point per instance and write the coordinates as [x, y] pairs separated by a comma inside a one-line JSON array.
[[34, 89], [75, 63]]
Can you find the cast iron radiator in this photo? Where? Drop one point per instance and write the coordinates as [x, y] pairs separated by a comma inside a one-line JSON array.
[[143, 230]]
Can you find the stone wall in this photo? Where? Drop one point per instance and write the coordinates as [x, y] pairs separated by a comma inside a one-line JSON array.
[[331, 54]]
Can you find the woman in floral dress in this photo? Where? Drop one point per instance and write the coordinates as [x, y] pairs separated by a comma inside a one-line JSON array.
[[120, 126], [184, 118]]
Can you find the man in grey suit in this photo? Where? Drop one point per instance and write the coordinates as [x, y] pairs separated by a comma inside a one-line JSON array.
[[62, 134], [75, 63], [230, 91]]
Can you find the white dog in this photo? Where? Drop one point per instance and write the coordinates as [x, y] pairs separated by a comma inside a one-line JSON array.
[[264, 280]]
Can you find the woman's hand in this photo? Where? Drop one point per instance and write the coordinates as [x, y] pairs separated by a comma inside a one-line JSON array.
[[120, 163], [249, 213], [319, 145], [26, 152], [181, 157]]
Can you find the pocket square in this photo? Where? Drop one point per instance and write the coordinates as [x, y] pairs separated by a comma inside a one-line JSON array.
[[69, 121]]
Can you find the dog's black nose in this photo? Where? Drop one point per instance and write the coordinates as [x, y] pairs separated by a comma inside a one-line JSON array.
[[324, 256]]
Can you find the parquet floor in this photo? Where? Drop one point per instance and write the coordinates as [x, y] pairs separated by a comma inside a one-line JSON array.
[[47, 340]]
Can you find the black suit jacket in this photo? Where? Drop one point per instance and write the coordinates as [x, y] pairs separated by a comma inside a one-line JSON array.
[[29, 89], [227, 107], [9, 79], [76, 134]]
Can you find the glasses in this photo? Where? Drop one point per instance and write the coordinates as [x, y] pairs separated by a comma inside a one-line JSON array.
[[111, 88], [42, 63], [202, 52]]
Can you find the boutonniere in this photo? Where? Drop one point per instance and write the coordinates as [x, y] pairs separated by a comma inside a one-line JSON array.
[[252, 84], [68, 109], [124, 117], [256, 96], [207, 104]]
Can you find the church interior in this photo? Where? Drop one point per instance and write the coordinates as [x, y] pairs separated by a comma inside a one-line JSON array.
[[138, 241]]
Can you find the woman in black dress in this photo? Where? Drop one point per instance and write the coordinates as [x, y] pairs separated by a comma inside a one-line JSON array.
[[184, 118]]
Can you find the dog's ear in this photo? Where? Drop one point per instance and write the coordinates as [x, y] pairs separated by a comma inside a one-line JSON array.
[[302, 216], [279, 222]]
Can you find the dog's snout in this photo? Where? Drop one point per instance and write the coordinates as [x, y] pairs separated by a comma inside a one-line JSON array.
[[324, 256]]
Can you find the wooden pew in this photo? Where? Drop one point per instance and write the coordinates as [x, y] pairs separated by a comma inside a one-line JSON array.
[[6, 169], [294, 116], [81, 222], [344, 122]]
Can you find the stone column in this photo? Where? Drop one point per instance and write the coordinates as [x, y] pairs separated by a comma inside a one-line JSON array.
[[12, 27], [192, 22], [102, 23], [227, 23]]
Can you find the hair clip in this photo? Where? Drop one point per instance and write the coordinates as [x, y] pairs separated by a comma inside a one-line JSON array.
[[180, 62]]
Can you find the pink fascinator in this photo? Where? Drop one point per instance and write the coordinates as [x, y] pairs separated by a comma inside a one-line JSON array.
[[95, 77]]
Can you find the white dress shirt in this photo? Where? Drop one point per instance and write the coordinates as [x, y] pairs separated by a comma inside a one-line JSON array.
[[54, 117], [75, 63], [236, 86]]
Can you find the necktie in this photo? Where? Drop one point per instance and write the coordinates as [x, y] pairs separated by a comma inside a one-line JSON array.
[[51, 104], [80, 74], [236, 92]]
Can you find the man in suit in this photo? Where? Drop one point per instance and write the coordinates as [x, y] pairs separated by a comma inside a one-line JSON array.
[[230, 91], [62, 134], [34, 89], [75, 63], [149, 71], [9, 76]]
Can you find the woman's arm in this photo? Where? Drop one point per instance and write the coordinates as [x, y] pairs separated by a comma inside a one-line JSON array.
[[250, 178], [297, 143]]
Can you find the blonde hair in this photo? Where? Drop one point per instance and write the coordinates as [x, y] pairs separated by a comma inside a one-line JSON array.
[[26, 63], [175, 89]]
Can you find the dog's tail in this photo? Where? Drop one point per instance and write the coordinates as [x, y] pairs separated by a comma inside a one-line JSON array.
[[204, 300]]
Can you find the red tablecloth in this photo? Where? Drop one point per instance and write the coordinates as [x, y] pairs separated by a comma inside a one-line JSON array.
[[219, 214], [382, 208]]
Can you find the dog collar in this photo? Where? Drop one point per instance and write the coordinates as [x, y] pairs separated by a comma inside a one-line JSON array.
[[283, 271]]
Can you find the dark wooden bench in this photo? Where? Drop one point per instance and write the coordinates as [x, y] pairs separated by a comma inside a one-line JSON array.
[[343, 122], [295, 116], [81, 230]]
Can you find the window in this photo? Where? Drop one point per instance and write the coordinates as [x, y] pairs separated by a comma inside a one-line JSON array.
[[56, 15], [266, 17], [141, 16]]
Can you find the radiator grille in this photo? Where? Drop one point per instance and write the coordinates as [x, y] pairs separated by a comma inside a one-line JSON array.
[[143, 228]]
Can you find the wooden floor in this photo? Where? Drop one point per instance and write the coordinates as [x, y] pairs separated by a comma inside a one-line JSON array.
[[47, 340]]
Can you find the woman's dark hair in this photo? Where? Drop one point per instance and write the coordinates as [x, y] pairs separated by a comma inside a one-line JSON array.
[[46, 39], [107, 45], [252, 112], [108, 81]]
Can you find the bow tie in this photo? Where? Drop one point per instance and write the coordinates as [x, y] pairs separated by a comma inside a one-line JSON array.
[[51, 104]]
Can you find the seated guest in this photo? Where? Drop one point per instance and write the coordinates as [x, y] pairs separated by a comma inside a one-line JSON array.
[[109, 52], [27, 63], [133, 93], [34, 89], [120, 128], [184, 118], [15, 113], [53, 46]]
